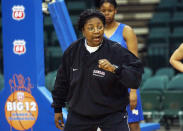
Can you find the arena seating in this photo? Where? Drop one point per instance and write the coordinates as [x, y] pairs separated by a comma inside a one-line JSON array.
[[168, 15], [167, 71]]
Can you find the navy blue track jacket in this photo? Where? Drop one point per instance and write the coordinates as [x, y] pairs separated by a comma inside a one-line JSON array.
[[92, 91]]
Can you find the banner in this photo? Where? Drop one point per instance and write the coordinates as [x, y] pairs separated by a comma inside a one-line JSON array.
[[22, 105]]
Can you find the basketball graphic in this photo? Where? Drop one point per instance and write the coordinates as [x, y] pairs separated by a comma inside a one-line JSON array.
[[21, 110]]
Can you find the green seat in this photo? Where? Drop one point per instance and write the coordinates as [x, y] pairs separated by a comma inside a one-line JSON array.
[[176, 39], [151, 96], [176, 83], [54, 54], [46, 38], [48, 27], [147, 74], [1, 40], [177, 20], [76, 6], [167, 5], [158, 55], [173, 102], [159, 35], [1, 82], [54, 39], [55, 51], [74, 19], [0, 8], [50, 80], [179, 6], [0, 22], [160, 19], [152, 105], [151, 100], [155, 83], [173, 106], [1, 60], [177, 34], [52, 83], [167, 71], [173, 47], [48, 21]]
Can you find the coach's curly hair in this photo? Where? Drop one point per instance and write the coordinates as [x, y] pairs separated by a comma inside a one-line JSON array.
[[88, 14], [100, 2]]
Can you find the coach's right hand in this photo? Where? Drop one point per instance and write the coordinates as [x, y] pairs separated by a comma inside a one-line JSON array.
[[59, 122]]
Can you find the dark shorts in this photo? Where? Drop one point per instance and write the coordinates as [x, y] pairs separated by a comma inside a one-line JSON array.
[[112, 122]]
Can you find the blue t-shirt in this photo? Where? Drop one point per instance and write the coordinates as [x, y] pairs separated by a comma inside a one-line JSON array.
[[118, 36], [137, 114]]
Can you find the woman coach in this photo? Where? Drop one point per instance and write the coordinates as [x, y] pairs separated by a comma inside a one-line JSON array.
[[94, 78]]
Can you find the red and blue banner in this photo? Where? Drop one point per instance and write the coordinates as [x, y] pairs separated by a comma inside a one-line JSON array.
[[22, 105]]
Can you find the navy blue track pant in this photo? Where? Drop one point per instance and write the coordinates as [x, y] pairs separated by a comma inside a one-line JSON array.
[[112, 122]]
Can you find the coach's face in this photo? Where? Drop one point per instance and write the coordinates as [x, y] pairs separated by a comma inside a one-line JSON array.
[[93, 31]]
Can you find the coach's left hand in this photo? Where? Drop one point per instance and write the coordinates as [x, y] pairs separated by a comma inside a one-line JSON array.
[[59, 122]]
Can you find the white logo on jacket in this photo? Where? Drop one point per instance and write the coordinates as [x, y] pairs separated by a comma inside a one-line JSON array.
[[98, 73], [74, 69]]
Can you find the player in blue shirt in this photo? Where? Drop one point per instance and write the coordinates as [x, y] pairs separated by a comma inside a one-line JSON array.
[[124, 35]]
